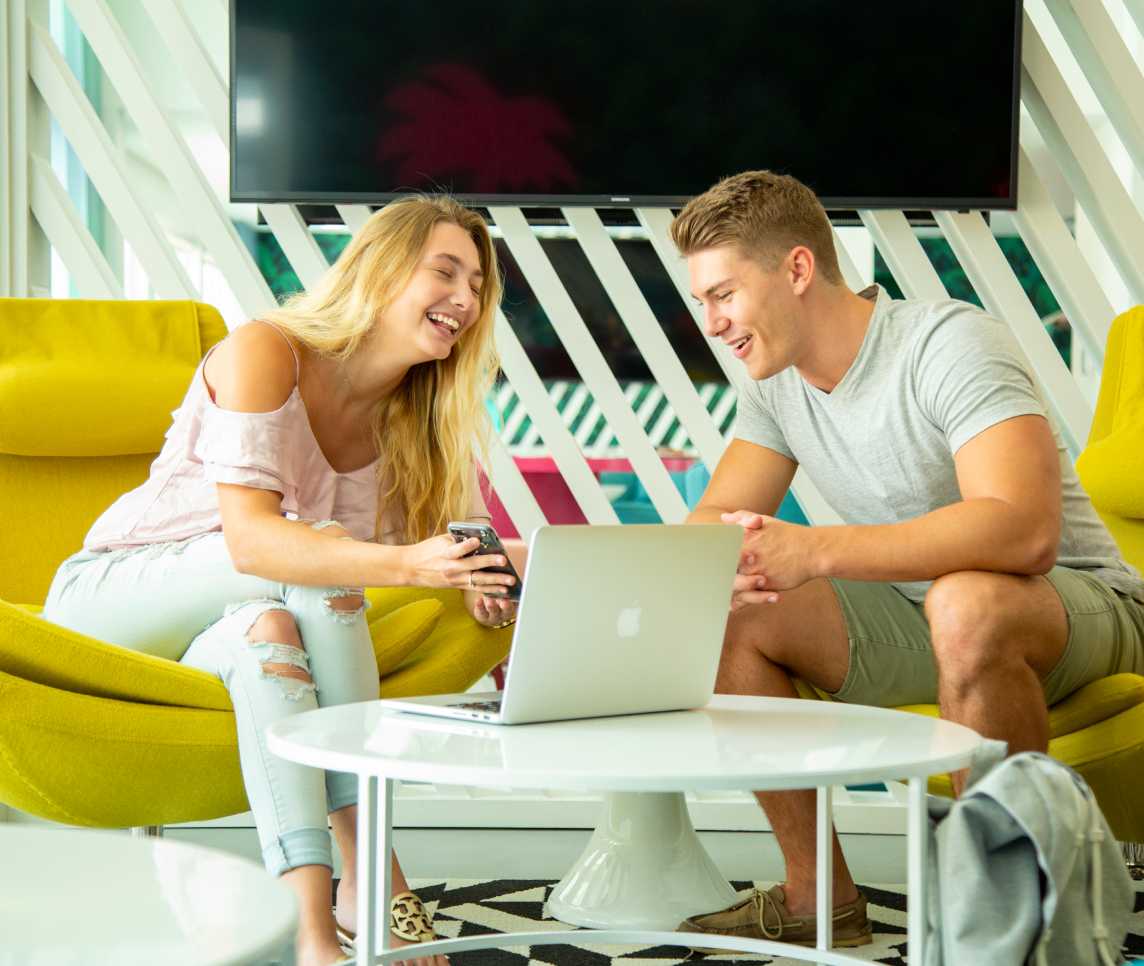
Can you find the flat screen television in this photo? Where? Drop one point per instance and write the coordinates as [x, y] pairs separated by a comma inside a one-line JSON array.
[[881, 103]]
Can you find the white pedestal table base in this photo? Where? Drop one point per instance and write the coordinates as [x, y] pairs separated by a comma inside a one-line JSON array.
[[643, 868]]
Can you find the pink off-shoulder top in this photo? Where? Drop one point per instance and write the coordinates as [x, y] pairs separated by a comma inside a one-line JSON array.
[[207, 445]]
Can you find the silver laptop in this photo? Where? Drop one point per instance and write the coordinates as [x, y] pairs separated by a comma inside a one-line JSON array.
[[613, 620]]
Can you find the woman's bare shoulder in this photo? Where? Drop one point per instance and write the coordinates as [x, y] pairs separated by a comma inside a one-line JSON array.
[[253, 370]]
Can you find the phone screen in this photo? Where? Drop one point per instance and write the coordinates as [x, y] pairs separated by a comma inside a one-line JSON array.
[[490, 543]]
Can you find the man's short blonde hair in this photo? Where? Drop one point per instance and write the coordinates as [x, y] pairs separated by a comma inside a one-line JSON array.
[[765, 215]]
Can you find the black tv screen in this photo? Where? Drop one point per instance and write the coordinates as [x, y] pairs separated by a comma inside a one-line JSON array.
[[883, 103]]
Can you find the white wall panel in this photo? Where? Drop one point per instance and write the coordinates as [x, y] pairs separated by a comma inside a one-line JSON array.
[[1002, 296], [193, 61], [202, 209], [1108, 66], [354, 216], [15, 149], [904, 255], [1086, 166], [1060, 260], [851, 246], [82, 127], [69, 235]]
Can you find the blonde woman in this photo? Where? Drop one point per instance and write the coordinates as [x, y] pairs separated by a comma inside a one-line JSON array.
[[320, 449]]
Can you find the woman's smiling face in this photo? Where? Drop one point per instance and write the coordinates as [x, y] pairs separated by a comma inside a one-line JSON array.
[[442, 298]]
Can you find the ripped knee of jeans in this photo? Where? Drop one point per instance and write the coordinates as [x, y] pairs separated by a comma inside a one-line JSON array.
[[288, 664], [273, 636], [345, 604]]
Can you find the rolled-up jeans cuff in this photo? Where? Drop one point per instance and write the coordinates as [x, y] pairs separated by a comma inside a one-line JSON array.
[[303, 846], [341, 790]]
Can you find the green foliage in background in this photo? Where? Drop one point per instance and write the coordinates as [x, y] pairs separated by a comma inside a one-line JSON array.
[[275, 267]]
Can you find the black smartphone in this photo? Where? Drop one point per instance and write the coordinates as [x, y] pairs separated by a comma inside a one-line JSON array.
[[490, 543]]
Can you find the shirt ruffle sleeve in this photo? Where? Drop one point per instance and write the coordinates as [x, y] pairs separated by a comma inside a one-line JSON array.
[[249, 449]]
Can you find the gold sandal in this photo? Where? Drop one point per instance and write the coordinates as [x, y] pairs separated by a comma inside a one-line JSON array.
[[408, 920]]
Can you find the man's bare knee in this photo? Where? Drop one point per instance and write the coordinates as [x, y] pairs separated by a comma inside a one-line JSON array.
[[983, 624], [805, 634]]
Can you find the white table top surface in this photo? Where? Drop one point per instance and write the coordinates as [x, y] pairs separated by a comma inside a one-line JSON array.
[[87, 896], [733, 743]]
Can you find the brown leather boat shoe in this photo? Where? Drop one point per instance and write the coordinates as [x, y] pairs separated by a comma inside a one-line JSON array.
[[764, 915]]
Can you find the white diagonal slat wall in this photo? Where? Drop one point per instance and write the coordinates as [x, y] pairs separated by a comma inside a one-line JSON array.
[[84, 130], [69, 235], [512, 489], [1061, 262], [904, 255], [547, 420], [186, 47], [1108, 65], [1003, 296], [354, 216], [646, 332], [199, 203], [1076, 148], [589, 361]]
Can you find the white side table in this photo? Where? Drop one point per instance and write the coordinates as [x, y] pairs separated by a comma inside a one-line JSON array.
[[77, 897], [735, 743]]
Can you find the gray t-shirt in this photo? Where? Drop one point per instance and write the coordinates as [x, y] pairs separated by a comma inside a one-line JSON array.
[[928, 377]]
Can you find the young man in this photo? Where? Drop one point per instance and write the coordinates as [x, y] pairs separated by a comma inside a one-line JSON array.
[[971, 569]]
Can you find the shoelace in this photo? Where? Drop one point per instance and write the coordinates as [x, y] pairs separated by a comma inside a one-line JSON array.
[[767, 901]]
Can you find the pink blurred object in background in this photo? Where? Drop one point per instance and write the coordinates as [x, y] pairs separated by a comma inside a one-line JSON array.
[[556, 501]]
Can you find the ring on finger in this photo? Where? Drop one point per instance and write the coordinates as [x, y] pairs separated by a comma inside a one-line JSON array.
[[472, 585]]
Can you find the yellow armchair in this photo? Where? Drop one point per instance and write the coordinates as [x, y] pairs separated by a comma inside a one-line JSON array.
[[1099, 729], [95, 734]]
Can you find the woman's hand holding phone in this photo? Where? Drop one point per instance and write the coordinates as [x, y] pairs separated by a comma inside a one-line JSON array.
[[499, 586], [441, 561]]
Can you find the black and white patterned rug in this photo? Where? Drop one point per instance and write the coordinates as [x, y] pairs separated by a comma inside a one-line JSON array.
[[466, 907]]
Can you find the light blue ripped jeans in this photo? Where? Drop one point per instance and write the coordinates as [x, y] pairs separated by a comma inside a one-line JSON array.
[[185, 601]]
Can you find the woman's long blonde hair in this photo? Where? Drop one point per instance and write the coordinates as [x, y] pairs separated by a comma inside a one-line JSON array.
[[429, 431]]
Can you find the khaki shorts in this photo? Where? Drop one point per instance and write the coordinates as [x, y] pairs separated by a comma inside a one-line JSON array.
[[891, 655]]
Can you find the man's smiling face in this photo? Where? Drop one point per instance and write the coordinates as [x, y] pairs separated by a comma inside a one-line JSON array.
[[747, 307]]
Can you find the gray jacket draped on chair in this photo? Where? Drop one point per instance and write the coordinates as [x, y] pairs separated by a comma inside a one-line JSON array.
[[1024, 870]]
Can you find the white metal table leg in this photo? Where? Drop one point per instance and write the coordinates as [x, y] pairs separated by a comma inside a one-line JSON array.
[[917, 838], [824, 875], [384, 854], [366, 868]]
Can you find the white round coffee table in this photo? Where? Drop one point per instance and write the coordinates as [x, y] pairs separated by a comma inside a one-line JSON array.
[[75, 897], [735, 743]]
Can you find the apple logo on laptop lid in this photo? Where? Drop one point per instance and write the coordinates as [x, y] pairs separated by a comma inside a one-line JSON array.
[[628, 622]]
